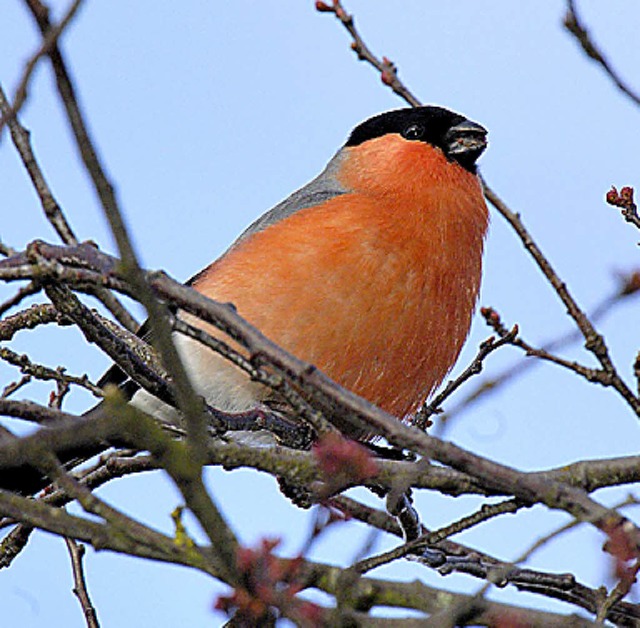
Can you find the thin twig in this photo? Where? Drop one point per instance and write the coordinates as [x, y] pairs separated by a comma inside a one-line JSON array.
[[386, 67], [119, 311], [187, 399], [494, 320], [110, 466], [486, 512], [131, 354], [528, 488], [487, 347], [32, 317], [24, 292], [594, 342], [34, 412], [6, 250], [146, 543], [44, 373], [48, 42], [67, 91], [275, 382], [13, 544], [449, 557], [624, 200], [76, 552], [629, 284], [52, 209], [547, 538], [56, 398], [22, 142], [618, 593], [11, 388], [601, 606], [574, 25]]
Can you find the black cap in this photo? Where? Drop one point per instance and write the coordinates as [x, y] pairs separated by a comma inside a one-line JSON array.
[[461, 140]]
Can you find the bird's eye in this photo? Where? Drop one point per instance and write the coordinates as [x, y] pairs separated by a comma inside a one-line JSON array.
[[413, 132]]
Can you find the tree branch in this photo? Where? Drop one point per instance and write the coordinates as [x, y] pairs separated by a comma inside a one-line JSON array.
[[487, 347], [76, 552], [353, 409], [386, 67], [594, 342], [574, 25]]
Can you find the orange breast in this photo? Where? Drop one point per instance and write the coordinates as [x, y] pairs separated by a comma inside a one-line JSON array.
[[377, 287]]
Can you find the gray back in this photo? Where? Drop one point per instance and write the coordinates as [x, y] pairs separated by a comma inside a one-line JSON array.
[[323, 188]]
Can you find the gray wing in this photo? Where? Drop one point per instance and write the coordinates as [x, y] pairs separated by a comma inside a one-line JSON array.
[[323, 188]]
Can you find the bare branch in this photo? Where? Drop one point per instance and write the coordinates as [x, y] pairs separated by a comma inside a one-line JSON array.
[[313, 399], [487, 347], [24, 292], [76, 552], [48, 42], [386, 67], [152, 545], [22, 143], [574, 25], [494, 320], [368, 592], [628, 285], [594, 342], [11, 388], [131, 354], [6, 250], [432, 538], [277, 383], [39, 371], [547, 538], [528, 488], [52, 209]]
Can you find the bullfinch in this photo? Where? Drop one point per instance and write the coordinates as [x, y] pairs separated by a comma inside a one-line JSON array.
[[370, 271]]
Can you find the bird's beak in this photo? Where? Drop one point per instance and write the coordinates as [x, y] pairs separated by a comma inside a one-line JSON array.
[[466, 141]]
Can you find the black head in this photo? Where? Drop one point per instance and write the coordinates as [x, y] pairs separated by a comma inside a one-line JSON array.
[[461, 140]]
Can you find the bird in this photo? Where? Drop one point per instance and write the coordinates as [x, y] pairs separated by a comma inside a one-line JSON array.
[[370, 272]]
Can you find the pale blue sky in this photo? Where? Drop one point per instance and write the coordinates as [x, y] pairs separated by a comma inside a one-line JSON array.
[[208, 114]]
